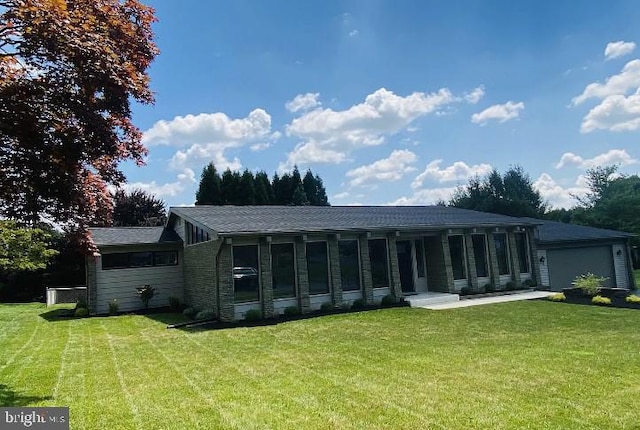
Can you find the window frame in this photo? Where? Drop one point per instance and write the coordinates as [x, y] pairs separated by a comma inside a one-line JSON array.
[[387, 257], [129, 258], [507, 252], [258, 269], [328, 270], [486, 254], [526, 251], [463, 248], [295, 270], [358, 259]]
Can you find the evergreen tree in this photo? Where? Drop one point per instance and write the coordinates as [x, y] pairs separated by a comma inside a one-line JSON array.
[[246, 189], [230, 185], [209, 191], [321, 194], [275, 187], [263, 190], [299, 197], [310, 188], [284, 192]]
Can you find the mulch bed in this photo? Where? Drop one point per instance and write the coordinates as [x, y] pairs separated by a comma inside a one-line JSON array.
[[617, 295]]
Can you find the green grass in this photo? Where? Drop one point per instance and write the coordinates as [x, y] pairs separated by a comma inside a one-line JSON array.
[[513, 365]]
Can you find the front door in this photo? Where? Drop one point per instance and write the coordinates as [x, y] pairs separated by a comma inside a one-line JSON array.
[[405, 264]]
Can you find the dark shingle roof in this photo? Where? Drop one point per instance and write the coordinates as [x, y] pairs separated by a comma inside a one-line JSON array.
[[551, 232], [295, 219], [132, 235]]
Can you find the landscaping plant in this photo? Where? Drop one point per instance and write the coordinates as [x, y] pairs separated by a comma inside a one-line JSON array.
[[557, 297], [599, 300], [589, 283], [146, 293]]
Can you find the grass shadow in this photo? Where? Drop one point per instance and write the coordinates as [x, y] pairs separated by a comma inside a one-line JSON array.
[[59, 314], [10, 398]]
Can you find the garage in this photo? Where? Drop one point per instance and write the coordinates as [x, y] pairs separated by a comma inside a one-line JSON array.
[[566, 251]]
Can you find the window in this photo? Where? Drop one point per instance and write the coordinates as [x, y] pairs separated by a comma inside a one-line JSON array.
[[456, 250], [420, 258], [317, 267], [502, 253], [379, 262], [194, 234], [523, 255], [124, 260], [480, 253], [246, 285], [283, 270], [349, 265]]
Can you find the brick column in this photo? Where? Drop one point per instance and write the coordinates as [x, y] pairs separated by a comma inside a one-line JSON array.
[[493, 261], [533, 254], [396, 287], [225, 284], [365, 267], [334, 267], [444, 240], [92, 283], [472, 275], [515, 258], [266, 278], [303, 276]]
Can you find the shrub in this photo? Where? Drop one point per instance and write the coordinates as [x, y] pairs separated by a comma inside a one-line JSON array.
[[206, 314], [557, 297], [189, 313], [633, 299], [465, 291], [113, 307], [510, 286], [174, 304], [388, 301], [358, 304], [253, 315], [146, 293], [326, 307], [489, 288], [81, 313], [589, 283], [291, 311], [528, 283], [81, 302], [599, 300]]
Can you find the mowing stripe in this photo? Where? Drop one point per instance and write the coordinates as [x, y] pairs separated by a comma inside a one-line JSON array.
[[132, 407], [22, 348], [63, 357]]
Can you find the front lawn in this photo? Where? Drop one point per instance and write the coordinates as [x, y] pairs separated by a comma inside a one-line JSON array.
[[514, 365]]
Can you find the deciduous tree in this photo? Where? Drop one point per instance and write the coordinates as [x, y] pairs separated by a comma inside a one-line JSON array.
[[24, 248], [138, 209]]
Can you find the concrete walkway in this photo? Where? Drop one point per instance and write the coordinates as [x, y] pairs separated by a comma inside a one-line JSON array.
[[488, 300]]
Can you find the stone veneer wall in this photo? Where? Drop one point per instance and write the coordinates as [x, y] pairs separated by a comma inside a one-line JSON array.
[[396, 287], [266, 279], [92, 283], [304, 303], [334, 268], [199, 270], [515, 258], [365, 269]]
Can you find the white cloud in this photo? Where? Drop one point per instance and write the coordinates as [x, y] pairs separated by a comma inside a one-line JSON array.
[[620, 84], [200, 154], [614, 156], [303, 102], [428, 196], [557, 195], [328, 136], [457, 171], [392, 168], [260, 146], [353, 33], [618, 49], [343, 195], [614, 113], [171, 189], [474, 96], [500, 113]]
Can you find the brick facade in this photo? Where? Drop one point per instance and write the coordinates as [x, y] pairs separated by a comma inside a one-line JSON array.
[[334, 269], [365, 268], [92, 283], [304, 303], [472, 275], [266, 280], [199, 271], [396, 288]]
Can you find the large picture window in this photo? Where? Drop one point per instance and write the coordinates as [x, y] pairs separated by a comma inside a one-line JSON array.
[[349, 265], [480, 253], [379, 262], [420, 258], [246, 279], [523, 255], [456, 250], [283, 270], [125, 260], [502, 253], [317, 267]]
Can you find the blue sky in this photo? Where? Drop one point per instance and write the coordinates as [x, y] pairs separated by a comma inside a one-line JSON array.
[[392, 102]]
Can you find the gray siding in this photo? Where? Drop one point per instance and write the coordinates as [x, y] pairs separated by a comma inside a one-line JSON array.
[[565, 264]]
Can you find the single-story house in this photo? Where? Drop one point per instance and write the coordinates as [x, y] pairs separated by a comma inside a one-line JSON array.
[[231, 259], [568, 250]]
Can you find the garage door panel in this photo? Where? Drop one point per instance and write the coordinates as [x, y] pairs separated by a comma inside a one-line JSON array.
[[566, 264]]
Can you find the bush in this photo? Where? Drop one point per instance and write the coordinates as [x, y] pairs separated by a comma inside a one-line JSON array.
[[388, 301], [465, 291], [81, 302], [557, 297], [174, 304], [589, 283], [326, 307], [358, 304], [206, 314], [189, 313], [113, 307], [291, 311], [510, 286], [253, 315], [633, 299], [599, 300], [81, 313], [528, 283], [146, 293], [489, 288]]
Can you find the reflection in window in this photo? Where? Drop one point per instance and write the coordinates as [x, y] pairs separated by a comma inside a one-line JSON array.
[[349, 265], [456, 250], [480, 254], [379, 262], [523, 255], [502, 253], [317, 267], [246, 285], [283, 270]]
